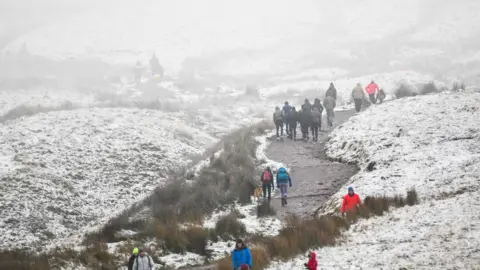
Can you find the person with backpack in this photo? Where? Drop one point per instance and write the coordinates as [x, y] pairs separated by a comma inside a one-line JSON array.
[[351, 202], [241, 256], [329, 104], [143, 261], [372, 89], [358, 96], [132, 258], [286, 109], [283, 182], [312, 263], [267, 183], [292, 119], [278, 120], [316, 123]]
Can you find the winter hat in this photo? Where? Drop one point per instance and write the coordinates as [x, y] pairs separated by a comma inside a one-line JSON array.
[[350, 189], [239, 241], [244, 267], [135, 251]]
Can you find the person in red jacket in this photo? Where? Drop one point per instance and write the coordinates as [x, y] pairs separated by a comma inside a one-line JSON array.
[[312, 261], [351, 201], [372, 89]]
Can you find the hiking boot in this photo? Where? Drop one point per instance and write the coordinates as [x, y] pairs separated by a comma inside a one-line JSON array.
[[286, 201], [283, 201]]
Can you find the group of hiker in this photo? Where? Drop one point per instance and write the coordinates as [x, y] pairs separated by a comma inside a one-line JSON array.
[[373, 91], [284, 181], [309, 116], [140, 260], [155, 68]]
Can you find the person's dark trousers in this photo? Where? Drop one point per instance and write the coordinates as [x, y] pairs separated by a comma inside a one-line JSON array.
[[304, 131], [315, 131], [267, 188], [287, 127], [279, 126], [358, 104], [293, 131], [373, 100]]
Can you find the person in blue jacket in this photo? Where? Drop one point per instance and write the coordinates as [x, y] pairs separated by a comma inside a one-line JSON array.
[[283, 182], [241, 256]]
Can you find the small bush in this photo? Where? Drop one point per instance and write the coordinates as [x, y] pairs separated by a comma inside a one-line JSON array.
[[228, 226], [197, 240], [265, 209], [412, 197], [260, 258], [404, 90], [429, 88]]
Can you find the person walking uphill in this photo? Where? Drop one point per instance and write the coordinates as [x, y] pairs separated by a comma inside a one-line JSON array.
[[267, 183], [329, 104], [132, 258], [143, 261], [312, 261], [331, 92], [305, 121], [278, 120], [241, 256], [351, 202], [286, 109], [372, 89], [292, 119], [316, 123], [358, 96], [283, 182]]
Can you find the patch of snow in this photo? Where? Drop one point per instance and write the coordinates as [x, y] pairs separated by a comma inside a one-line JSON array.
[[181, 260], [430, 143]]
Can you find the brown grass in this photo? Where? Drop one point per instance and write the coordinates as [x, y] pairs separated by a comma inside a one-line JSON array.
[[302, 235], [228, 227], [265, 209]]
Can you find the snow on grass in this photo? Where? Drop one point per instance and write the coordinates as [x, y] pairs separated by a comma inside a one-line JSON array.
[[71, 170], [430, 143]]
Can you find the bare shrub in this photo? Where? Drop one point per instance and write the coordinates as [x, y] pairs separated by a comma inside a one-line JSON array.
[[265, 209], [403, 90], [228, 226], [412, 197], [429, 88]]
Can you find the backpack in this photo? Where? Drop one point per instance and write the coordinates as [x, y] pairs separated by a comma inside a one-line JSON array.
[[149, 262], [267, 176]]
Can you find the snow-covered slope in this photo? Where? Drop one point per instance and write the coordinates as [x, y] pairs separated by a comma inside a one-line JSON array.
[[62, 172], [430, 143]]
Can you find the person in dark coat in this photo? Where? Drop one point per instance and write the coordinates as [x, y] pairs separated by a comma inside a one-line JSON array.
[[131, 261], [331, 92], [307, 106], [316, 122], [305, 121], [292, 119]]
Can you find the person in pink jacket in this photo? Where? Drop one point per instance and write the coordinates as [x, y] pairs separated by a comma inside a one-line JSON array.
[[372, 89]]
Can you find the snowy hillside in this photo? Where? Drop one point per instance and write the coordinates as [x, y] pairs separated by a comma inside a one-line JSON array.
[[431, 143], [64, 171]]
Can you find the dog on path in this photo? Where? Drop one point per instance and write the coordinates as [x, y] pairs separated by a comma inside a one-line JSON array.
[[257, 193]]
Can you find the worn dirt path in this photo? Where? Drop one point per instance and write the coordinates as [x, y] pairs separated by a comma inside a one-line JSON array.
[[314, 177]]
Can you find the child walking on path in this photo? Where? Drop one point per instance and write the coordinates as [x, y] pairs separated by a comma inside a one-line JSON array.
[[283, 182]]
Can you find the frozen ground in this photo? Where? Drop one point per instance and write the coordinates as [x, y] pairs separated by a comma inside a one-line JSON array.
[[431, 143], [64, 171]]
